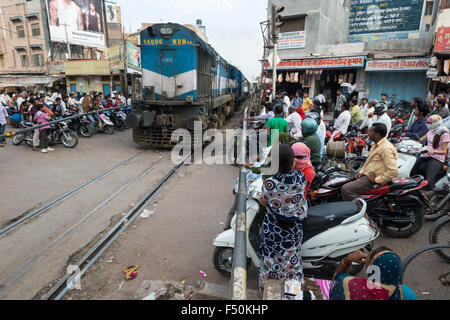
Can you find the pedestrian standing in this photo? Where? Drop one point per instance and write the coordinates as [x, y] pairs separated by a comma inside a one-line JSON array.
[[3, 122], [34, 109], [42, 118], [340, 100]]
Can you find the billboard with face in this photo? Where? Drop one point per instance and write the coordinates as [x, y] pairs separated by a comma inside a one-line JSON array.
[[77, 22]]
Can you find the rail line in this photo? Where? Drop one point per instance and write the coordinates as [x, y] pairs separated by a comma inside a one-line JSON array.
[[60, 289], [21, 270], [65, 196]]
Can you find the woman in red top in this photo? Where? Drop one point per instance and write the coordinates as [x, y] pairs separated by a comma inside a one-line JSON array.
[[303, 162], [301, 112]]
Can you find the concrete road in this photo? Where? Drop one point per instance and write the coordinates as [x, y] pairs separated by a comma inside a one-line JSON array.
[[173, 244]]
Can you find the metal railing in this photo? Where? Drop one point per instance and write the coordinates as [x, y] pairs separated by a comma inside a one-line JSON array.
[[238, 285], [11, 134]]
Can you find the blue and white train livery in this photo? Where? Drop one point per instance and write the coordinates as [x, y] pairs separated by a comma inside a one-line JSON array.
[[185, 80]]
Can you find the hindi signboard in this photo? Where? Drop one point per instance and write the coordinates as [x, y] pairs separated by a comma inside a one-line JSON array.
[[327, 63], [77, 22], [398, 65], [292, 40], [372, 20], [442, 40]]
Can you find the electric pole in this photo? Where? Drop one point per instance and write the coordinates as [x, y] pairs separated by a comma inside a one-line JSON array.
[[69, 50]]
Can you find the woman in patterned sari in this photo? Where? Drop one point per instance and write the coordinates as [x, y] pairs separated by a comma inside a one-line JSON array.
[[282, 233]]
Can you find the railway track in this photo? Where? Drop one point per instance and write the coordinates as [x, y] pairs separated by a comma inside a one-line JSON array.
[[65, 196], [60, 289]]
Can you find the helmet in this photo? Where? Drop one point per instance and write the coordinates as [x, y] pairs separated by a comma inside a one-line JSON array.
[[315, 116], [380, 109], [309, 126]]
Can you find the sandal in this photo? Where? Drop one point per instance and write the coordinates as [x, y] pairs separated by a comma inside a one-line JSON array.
[[131, 272]]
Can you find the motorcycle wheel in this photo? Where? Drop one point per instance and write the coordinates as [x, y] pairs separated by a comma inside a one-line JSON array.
[[86, 131], [71, 141], [108, 129], [405, 229], [223, 261], [29, 138], [440, 233], [18, 139], [434, 201]]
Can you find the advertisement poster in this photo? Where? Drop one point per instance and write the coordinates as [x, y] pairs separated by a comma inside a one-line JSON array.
[[133, 57], [373, 18], [292, 40], [78, 22]]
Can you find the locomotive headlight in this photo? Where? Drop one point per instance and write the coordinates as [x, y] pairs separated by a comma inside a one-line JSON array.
[[166, 31]]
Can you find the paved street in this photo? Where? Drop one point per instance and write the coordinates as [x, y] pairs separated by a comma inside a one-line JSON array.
[[173, 244]]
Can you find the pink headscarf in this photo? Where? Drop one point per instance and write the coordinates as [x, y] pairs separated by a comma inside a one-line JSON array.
[[301, 149]]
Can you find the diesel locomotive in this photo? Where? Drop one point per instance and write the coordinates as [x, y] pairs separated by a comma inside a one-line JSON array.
[[184, 81]]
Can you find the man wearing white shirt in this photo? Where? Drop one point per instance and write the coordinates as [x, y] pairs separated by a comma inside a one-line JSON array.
[[343, 121], [383, 117], [286, 104], [321, 97], [368, 113], [295, 123]]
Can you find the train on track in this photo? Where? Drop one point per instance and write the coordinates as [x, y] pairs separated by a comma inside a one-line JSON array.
[[184, 81]]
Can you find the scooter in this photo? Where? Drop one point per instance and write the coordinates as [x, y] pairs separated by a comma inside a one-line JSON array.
[[439, 199], [104, 124], [407, 151], [398, 208], [331, 232]]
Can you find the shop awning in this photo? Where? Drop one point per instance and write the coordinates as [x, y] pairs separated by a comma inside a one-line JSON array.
[[32, 15], [27, 81]]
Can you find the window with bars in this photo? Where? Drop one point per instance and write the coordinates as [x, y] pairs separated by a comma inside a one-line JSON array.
[[35, 29], [38, 60], [20, 31], [293, 24], [25, 62]]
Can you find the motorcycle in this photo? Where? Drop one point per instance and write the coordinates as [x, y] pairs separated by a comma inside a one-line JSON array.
[[407, 151], [82, 126], [439, 199], [25, 136], [61, 134], [117, 118], [331, 232], [398, 207]]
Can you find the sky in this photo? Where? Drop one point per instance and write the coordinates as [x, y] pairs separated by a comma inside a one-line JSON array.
[[232, 26]]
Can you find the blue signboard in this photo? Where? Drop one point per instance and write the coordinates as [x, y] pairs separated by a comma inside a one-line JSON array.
[[377, 17]]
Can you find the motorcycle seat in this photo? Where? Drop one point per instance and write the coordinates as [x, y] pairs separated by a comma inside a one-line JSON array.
[[326, 216], [408, 183]]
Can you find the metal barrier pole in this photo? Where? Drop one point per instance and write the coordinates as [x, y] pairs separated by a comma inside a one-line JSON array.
[[238, 290], [58, 121]]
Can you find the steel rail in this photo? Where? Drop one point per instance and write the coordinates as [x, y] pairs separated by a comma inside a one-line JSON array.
[[65, 196], [60, 289], [25, 267]]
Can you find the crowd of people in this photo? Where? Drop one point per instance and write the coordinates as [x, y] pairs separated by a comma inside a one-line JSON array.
[[39, 108], [298, 123]]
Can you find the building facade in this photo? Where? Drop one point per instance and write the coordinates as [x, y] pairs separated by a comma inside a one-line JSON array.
[[360, 45]]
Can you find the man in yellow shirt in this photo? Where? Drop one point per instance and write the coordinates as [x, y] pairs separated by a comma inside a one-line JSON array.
[[355, 112], [380, 168], [307, 103]]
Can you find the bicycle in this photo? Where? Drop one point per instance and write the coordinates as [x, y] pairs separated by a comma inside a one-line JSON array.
[[440, 233]]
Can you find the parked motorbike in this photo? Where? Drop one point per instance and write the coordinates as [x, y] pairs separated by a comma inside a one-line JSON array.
[[82, 126], [331, 232], [398, 207], [117, 119], [61, 134], [25, 136]]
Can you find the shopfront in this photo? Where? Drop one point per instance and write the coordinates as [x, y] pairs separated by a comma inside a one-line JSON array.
[[441, 82], [313, 75], [401, 79]]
